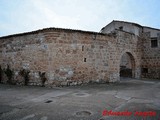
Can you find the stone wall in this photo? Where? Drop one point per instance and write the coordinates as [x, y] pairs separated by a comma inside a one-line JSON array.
[[150, 53], [150, 58], [68, 57]]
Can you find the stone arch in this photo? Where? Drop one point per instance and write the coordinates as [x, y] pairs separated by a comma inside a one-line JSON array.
[[127, 64]]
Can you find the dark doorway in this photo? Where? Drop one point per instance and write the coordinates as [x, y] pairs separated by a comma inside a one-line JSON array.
[[127, 65]]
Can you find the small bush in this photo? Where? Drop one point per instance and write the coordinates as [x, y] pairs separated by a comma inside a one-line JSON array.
[[43, 78], [9, 74], [25, 74]]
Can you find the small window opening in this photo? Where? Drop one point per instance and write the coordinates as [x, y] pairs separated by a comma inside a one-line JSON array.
[[82, 48], [154, 42], [144, 70], [85, 59], [121, 27]]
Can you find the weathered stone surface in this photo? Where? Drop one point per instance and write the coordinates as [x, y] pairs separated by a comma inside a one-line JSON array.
[[72, 57]]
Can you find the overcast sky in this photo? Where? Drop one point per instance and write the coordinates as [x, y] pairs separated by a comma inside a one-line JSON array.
[[18, 16]]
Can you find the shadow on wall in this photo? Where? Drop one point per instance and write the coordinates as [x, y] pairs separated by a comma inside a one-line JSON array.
[[125, 72]]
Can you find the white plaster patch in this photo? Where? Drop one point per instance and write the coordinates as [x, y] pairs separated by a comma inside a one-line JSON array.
[[16, 73], [25, 66], [70, 73], [73, 46], [36, 75], [50, 76]]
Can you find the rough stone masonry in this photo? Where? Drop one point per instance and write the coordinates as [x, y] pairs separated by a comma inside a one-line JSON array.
[[60, 57]]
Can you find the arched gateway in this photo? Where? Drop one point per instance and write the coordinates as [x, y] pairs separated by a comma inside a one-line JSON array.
[[127, 65]]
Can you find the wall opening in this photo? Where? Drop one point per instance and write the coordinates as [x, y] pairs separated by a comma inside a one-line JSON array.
[[154, 42], [121, 28], [82, 48], [144, 70], [127, 65]]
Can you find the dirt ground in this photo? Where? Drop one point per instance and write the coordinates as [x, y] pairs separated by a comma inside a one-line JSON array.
[[89, 102]]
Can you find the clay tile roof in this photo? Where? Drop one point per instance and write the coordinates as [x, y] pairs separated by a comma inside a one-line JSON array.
[[128, 23], [136, 24], [51, 29]]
